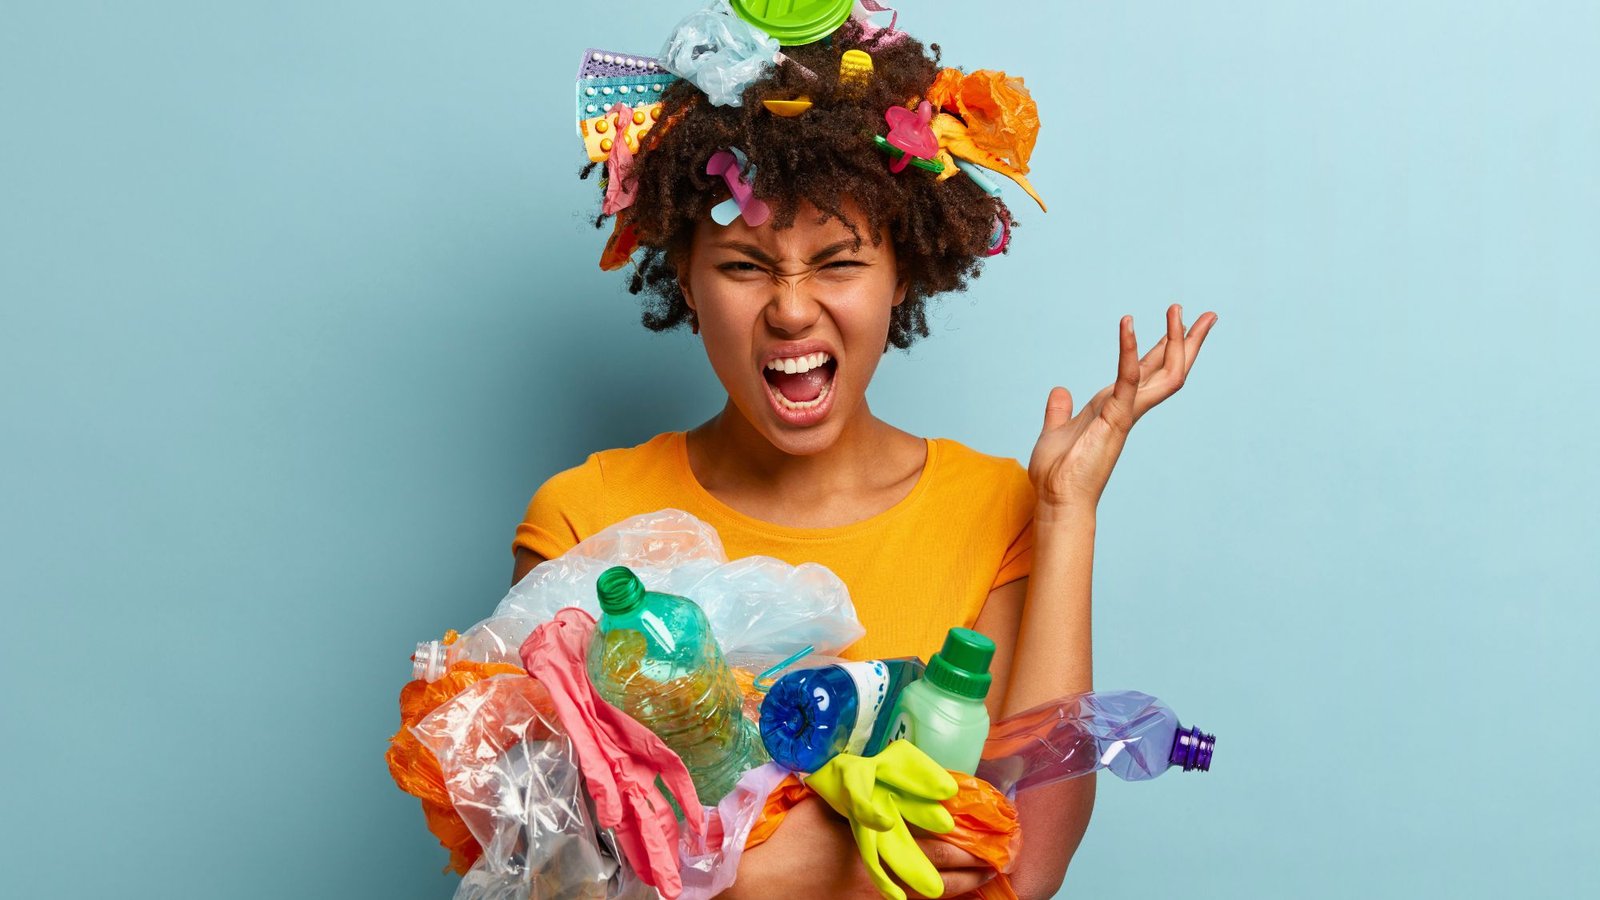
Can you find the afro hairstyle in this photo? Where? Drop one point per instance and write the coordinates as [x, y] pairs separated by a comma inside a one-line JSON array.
[[941, 230]]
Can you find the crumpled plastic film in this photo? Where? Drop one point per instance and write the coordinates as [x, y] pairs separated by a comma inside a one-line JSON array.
[[512, 777], [415, 769], [710, 862], [757, 605], [718, 52]]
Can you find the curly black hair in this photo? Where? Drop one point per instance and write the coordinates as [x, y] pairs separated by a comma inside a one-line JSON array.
[[941, 230]]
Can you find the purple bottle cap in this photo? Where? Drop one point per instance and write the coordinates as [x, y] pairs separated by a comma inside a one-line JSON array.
[[1192, 750]]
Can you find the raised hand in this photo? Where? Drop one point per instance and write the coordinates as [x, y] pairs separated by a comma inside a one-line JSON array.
[[1074, 457]]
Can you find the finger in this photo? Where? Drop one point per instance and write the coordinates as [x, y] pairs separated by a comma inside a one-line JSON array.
[[926, 814], [1119, 407], [1152, 360], [1197, 337], [945, 855], [1175, 365], [867, 843], [905, 857], [959, 882], [1057, 408]]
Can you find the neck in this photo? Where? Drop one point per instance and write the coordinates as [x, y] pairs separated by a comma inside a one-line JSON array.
[[739, 457]]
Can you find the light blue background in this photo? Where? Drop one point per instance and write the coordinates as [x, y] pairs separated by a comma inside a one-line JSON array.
[[298, 305]]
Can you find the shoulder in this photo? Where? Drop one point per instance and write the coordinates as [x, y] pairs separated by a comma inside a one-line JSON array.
[[621, 465], [998, 485], [957, 459]]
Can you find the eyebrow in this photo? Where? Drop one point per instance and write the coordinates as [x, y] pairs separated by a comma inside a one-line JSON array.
[[761, 256]]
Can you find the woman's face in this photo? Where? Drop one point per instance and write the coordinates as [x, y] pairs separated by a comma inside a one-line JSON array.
[[794, 321]]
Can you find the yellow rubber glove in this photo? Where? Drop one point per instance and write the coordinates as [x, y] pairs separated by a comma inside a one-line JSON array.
[[879, 795]]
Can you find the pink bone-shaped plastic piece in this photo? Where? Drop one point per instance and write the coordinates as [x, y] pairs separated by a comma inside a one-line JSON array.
[[732, 169]]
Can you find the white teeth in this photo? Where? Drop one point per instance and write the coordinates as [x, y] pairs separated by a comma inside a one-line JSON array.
[[797, 364]]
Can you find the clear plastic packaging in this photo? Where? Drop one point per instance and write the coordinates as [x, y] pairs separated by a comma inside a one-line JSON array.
[[512, 777], [1134, 735], [718, 52], [758, 605], [709, 863]]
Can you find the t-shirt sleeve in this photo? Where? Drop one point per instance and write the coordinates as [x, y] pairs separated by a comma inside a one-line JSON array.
[[563, 511], [1017, 561]]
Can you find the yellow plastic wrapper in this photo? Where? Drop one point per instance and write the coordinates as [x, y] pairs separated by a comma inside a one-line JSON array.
[[416, 771]]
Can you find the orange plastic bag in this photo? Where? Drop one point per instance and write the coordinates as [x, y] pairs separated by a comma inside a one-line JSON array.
[[416, 771], [986, 826]]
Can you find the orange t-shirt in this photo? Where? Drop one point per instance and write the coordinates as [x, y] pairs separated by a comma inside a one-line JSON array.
[[914, 570]]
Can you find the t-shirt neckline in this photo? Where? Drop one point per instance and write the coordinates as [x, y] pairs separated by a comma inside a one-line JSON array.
[[786, 531]]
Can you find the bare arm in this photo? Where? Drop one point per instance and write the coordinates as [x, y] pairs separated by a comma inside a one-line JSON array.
[[526, 560], [1041, 626]]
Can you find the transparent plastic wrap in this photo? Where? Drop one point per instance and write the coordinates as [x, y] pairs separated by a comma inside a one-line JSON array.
[[512, 777], [719, 52], [709, 863], [757, 605], [1134, 735]]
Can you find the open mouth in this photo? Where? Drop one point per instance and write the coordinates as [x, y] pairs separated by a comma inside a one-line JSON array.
[[801, 384]]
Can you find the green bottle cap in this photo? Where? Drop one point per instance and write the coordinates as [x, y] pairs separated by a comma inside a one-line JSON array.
[[620, 590], [794, 22], [962, 665]]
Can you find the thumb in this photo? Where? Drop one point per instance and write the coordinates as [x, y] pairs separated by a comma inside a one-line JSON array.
[[1058, 409]]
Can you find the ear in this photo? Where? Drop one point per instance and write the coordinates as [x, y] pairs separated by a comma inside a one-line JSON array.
[[680, 268], [901, 287]]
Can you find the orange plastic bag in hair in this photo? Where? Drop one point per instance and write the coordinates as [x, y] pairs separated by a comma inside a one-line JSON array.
[[416, 771], [986, 826]]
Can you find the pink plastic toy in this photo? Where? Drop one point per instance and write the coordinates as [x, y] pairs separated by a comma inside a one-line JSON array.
[[910, 132], [736, 170]]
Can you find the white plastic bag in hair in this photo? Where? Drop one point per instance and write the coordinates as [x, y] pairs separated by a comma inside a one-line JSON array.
[[718, 52], [758, 606], [514, 781]]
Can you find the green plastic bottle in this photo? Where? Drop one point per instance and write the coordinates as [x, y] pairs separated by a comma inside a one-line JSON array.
[[653, 657], [943, 713]]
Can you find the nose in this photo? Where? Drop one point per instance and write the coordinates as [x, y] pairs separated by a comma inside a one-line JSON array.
[[793, 308]]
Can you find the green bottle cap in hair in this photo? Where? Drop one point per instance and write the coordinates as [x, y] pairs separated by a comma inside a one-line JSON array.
[[794, 22], [620, 590], [962, 665]]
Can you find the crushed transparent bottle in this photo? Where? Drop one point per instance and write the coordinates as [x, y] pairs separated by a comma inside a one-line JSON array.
[[1134, 735]]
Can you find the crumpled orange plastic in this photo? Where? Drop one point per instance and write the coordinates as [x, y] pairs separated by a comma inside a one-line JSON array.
[[416, 771], [955, 138], [1001, 116], [989, 119], [986, 826]]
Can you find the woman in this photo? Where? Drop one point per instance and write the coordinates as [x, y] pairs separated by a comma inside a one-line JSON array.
[[795, 309]]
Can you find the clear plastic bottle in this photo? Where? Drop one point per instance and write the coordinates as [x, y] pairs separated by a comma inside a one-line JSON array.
[[654, 657], [811, 715], [1134, 735]]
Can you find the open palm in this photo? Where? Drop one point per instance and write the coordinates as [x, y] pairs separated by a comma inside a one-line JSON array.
[[1074, 457]]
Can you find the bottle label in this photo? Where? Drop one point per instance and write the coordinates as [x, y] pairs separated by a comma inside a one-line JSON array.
[[871, 680], [900, 729]]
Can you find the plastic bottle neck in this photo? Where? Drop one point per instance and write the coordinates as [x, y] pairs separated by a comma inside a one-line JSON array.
[[1191, 749]]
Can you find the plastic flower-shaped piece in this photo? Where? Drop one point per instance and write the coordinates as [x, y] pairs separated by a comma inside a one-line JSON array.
[[910, 132]]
